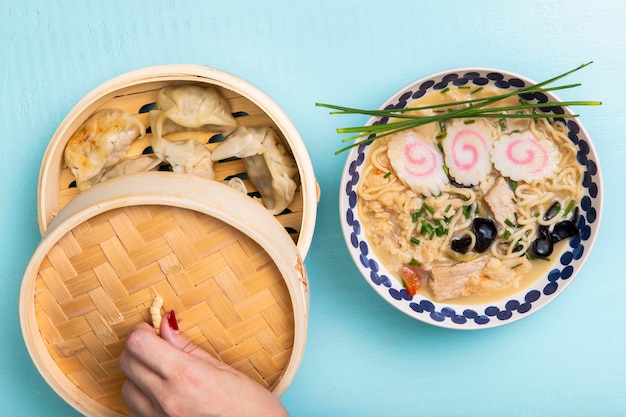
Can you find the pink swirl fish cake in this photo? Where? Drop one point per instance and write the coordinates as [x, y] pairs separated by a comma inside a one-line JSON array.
[[417, 163], [467, 149], [522, 157]]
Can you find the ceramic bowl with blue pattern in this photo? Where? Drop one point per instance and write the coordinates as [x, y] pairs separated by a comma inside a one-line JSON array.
[[527, 300]]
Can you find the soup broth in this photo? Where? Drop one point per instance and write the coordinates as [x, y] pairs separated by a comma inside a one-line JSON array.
[[467, 205]]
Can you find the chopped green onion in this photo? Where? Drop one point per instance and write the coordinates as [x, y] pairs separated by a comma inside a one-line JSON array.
[[569, 207], [531, 257], [445, 90], [415, 216], [448, 208], [426, 228], [516, 265], [509, 223], [428, 208], [415, 241], [506, 234], [476, 90], [469, 122], [387, 174], [415, 262]]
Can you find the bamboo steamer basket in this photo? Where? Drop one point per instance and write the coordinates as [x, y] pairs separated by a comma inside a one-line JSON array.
[[135, 92], [231, 271], [219, 259]]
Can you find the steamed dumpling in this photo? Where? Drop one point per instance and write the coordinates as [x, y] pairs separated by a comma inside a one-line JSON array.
[[191, 107], [244, 142], [142, 163], [99, 143], [188, 156], [268, 164]]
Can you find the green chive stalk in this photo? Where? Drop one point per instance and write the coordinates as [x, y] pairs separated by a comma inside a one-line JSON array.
[[466, 109]]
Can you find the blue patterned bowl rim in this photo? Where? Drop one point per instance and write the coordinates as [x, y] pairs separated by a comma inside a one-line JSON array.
[[525, 301]]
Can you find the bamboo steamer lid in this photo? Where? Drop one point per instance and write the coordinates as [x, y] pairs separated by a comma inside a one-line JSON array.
[[220, 260], [136, 91]]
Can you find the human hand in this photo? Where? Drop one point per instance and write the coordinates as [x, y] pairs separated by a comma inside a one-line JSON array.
[[169, 376]]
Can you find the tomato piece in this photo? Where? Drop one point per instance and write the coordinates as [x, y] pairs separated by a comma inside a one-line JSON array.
[[412, 279]]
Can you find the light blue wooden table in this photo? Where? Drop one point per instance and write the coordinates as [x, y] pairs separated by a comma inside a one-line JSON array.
[[363, 357]]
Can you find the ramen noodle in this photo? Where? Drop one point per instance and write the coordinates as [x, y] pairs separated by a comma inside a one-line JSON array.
[[463, 208]]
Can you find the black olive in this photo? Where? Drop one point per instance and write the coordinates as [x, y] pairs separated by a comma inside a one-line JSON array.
[[481, 245], [484, 228], [461, 245], [485, 231], [542, 248], [563, 230], [552, 211], [544, 232]]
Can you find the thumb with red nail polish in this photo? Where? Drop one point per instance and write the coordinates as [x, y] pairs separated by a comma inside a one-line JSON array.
[[169, 325], [171, 333], [171, 376], [171, 320]]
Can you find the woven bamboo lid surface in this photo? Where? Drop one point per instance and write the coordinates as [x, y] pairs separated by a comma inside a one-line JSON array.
[[221, 261], [136, 92]]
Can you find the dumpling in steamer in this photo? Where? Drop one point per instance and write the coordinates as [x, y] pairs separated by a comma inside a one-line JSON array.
[[142, 163], [268, 164], [99, 143], [191, 107], [187, 156]]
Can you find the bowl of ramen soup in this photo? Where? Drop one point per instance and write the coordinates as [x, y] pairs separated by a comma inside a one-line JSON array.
[[472, 222]]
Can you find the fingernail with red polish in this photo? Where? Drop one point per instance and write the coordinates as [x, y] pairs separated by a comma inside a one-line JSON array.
[[171, 320]]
